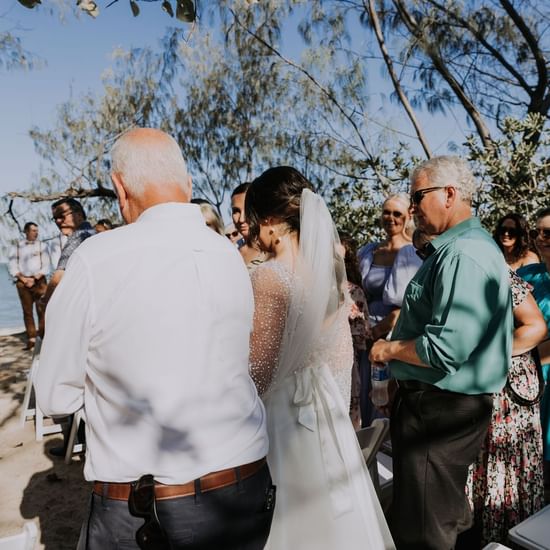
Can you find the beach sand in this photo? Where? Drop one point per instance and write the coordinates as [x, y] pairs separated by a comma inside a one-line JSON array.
[[35, 486]]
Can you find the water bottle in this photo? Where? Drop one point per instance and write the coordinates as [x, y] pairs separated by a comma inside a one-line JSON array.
[[380, 377]]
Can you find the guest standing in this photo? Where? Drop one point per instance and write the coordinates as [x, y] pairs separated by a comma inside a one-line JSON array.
[[175, 430], [359, 323], [512, 237], [211, 215], [505, 483], [250, 252], [70, 217], [386, 269], [538, 275], [450, 351], [301, 357], [29, 264]]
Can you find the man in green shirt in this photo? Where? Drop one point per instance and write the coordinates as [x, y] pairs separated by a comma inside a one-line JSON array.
[[450, 350]]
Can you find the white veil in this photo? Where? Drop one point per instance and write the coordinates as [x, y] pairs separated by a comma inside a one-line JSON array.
[[327, 496], [319, 294]]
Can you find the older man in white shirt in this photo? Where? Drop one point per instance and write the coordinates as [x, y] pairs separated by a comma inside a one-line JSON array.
[[147, 336], [28, 264]]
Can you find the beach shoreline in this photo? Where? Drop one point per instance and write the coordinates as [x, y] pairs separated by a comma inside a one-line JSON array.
[[36, 487]]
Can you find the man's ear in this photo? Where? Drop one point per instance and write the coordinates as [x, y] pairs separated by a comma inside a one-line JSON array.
[[451, 195], [120, 189], [190, 185]]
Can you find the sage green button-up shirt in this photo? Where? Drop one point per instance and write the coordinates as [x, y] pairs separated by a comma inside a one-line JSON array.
[[458, 309]]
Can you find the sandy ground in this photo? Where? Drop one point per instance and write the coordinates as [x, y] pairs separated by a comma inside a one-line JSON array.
[[35, 486]]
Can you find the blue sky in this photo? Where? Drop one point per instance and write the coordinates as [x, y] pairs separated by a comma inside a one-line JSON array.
[[77, 51]]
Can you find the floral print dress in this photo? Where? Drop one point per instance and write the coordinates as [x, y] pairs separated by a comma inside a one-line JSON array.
[[360, 333], [505, 484]]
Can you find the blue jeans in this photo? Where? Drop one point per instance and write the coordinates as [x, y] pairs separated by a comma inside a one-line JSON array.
[[237, 517]]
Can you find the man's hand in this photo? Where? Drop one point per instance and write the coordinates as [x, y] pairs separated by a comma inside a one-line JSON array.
[[27, 281], [379, 352]]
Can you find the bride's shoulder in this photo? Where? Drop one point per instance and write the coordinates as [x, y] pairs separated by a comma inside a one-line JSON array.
[[273, 277]]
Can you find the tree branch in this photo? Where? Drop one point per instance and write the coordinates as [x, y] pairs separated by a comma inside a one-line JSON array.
[[71, 192], [482, 40], [13, 217], [329, 95], [533, 44], [370, 7], [443, 70]]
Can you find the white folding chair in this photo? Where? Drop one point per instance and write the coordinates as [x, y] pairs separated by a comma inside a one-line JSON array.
[[72, 446], [27, 411], [24, 540], [534, 532], [40, 428], [370, 440]]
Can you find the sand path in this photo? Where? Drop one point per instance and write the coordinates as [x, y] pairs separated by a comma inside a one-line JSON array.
[[35, 486]]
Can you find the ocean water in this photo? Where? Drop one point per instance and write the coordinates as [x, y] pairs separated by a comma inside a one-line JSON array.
[[11, 316]]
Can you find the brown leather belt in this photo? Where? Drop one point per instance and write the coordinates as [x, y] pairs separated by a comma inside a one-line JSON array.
[[209, 482]]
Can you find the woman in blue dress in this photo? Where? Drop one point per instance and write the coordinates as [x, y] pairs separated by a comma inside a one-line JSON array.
[[386, 269], [538, 275]]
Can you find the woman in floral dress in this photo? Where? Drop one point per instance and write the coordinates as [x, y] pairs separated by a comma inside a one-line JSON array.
[[505, 485], [358, 322]]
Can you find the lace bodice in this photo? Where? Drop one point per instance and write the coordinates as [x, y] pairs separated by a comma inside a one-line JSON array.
[[276, 289]]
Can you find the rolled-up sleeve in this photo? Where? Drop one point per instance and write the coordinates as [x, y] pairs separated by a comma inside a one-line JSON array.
[[460, 316], [59, 382]]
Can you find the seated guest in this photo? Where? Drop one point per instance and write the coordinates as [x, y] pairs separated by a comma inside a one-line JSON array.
[[512, 237], [211, 215], [28, 265]]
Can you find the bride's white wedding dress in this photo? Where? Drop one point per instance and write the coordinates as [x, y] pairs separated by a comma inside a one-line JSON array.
[[301, 358]]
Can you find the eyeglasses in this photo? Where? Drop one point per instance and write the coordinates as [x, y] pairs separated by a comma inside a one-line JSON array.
[[233, 234], [417, 196], [510, 231], [61, 215], [141, 504], [543, 233]]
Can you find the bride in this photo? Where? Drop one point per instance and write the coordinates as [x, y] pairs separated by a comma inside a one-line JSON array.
[[301, 358]]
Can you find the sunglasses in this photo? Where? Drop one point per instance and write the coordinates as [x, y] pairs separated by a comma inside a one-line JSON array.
[[150, 535], [542, 233], [417, 196], [510, 231], [61, 215], [234, 234]]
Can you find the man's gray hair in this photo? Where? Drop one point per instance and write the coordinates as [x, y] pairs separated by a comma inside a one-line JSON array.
[[448, 170], [143, 162]]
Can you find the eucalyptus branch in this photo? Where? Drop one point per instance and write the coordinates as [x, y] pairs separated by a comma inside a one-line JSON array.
[[371, 8], [328, 94], [71, 192]]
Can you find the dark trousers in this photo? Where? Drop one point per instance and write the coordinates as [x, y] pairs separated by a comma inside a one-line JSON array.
[[435, 436], [29, 297], [234, 518]]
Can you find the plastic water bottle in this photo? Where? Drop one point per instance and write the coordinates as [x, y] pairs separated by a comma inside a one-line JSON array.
[[380, 377]]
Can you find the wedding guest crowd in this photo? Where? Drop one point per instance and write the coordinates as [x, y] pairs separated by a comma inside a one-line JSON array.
[[195, 398]]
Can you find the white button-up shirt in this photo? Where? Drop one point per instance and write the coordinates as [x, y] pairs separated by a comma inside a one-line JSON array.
[[30, 258], [149, 331]]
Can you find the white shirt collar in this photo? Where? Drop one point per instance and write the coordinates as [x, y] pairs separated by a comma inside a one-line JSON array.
[[171, 210]]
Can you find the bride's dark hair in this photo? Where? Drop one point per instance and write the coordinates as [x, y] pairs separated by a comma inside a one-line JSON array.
[[275, 194]]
